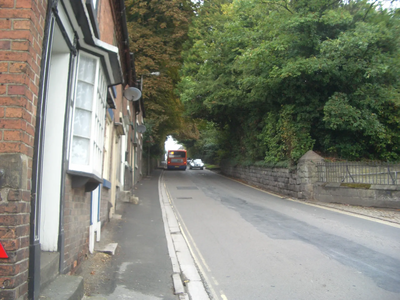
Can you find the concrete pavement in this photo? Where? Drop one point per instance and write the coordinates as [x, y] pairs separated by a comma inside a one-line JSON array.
[[152, 260]]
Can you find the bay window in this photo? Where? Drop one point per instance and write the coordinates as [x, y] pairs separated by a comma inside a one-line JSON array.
[[89, 111]]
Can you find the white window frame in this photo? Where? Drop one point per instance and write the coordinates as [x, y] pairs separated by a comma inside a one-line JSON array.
[[107, 149], [94, 163], [95, 3]]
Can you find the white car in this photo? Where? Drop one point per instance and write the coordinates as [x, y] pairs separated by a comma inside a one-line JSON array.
[[196, 163]]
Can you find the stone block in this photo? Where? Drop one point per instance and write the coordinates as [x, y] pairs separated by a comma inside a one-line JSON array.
[[363, 193], [296, 188], [327, 198], [387, 198], [124, 196], [13, 171], [332, 184], [385, 187]]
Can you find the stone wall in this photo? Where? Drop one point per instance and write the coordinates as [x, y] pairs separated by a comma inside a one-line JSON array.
[[302, 183], [279, 180], [376, 195]]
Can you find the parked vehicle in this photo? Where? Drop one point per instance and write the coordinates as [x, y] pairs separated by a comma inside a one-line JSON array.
[[176, 159], [196, 164]]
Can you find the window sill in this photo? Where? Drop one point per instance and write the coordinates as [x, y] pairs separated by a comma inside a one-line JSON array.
[[88, 180]]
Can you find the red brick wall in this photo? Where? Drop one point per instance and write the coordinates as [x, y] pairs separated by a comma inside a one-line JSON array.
[[106, 22], [76, 226], [77, 222], [21, 37], [110, 19]]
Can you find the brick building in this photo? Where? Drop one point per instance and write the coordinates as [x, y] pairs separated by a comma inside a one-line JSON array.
[[68, 144]]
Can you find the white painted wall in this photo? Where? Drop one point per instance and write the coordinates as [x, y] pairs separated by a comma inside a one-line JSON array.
[[123, 150], [53, 145], [95, 225]]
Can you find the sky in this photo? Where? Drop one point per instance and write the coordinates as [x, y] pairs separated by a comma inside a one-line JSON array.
[[388, 4], [171, 144]]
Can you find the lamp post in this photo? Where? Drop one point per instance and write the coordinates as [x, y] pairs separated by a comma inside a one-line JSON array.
[[150, 74], [148, 160], [141, 89]]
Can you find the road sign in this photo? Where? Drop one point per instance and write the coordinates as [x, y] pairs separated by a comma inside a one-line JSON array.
[[3, 253]]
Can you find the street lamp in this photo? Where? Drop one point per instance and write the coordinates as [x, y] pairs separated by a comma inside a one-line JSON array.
[[150, 74]]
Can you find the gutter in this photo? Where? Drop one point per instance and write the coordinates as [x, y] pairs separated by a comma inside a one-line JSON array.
[[93, 44]]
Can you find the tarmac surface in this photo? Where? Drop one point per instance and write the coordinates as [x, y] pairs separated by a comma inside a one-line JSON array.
[[141, 266], [152, 260]]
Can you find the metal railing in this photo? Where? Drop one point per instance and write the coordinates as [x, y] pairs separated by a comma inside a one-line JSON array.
[[354, 172]]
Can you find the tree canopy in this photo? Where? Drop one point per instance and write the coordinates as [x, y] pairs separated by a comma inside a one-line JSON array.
[[158, 30], [278, 78]]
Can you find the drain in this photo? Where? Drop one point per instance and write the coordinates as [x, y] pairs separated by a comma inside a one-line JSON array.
[[186, 188]]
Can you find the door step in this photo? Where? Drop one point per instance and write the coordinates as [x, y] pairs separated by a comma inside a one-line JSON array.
[[54, 286], [49, 267], [64, 287]]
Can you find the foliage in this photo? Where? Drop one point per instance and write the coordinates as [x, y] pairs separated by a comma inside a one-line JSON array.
[[211, 167], [280, 164], [278, 78], [285, 137], [158, 30], [207, 145]]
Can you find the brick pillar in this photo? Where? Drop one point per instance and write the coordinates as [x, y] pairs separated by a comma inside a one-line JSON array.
[[21, 36]]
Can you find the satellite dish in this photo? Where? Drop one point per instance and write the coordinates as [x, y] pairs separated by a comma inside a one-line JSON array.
[[141, 128], [132, 94]]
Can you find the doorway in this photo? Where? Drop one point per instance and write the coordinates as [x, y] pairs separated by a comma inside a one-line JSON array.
[[54, 125], [95, 224]]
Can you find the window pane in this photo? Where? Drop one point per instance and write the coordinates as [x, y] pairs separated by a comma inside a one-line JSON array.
[[87, 69], [80, 151], [177, 154], [84, 95], [89, 116], [80, 148], [99, 120], [82, 123]]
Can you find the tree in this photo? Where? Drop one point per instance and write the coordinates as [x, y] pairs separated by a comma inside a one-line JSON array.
[[158, 30], [283, 77]]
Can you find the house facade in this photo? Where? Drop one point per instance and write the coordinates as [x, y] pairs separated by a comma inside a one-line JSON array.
[[69, 144]]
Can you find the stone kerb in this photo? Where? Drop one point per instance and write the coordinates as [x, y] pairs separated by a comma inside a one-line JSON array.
[[307, 174]]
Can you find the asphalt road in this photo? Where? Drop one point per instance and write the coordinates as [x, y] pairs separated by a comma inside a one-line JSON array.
[[249, 244]]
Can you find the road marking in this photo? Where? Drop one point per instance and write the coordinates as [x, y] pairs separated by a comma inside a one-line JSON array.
[[184, 229], [196, 258], [215, 280], [357, 215]]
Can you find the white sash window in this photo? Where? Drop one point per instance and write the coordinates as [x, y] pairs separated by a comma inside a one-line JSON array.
[[89, 111]]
